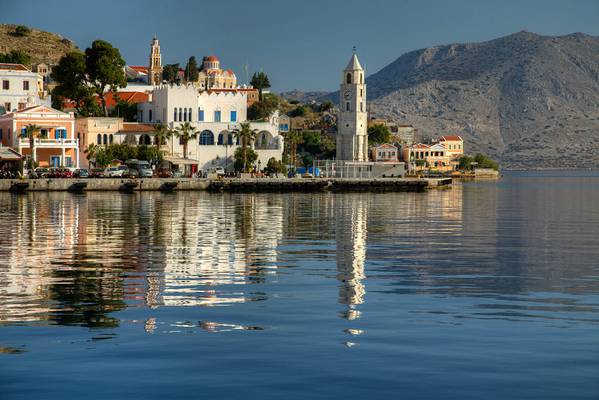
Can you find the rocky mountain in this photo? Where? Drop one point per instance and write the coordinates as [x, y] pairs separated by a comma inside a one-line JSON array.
[[42, 46], [528, 100], [302, 97]]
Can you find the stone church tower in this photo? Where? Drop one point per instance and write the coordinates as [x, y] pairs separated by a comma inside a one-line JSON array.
[[352, 137], [155, 67]]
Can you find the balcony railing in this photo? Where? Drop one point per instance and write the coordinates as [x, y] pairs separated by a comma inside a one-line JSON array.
[[49, 143]]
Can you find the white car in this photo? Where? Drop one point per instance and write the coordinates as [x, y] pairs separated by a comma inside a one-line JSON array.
[[115, 172], [220, 171]]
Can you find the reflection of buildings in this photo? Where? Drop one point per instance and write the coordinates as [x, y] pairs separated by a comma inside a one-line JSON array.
[[351, 236]]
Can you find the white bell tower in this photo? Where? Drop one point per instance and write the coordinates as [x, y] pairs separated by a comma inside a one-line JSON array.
[[352, 136]]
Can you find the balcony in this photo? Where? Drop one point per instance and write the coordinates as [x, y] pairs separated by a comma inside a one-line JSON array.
[[49, 143]]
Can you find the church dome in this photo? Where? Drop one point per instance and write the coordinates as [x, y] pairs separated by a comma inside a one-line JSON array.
[[212, 58]]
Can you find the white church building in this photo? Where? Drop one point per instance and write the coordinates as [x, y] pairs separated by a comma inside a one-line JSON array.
[[214, 114]]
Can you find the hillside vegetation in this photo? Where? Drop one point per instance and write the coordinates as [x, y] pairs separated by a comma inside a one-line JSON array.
[[43, 47]]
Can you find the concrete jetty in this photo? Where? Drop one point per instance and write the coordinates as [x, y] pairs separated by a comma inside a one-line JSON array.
[[224, 185]]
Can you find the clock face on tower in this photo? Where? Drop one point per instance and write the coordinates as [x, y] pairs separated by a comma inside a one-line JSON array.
[[347, 95]]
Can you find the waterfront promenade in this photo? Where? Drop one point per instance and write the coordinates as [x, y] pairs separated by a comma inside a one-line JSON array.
[[233, 185]]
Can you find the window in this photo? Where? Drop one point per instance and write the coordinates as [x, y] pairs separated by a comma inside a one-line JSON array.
[[233, 116], [175, 116], [110, 139], [25, 85], [361, 92], [141, 115], [23, 133], [190, 117], [206, 138], [185, 115], [180, 114], [200, 114], [5, 85], [7, 107], [221, 140], [361, 79], [348, 78], [68, 161], [21, 106], [99, 139], [105, 139], [150, 115], [230, 139], [347, 106], [217, 116], [361, 107]]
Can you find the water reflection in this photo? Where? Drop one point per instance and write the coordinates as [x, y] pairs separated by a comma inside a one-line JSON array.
[[78, 259]]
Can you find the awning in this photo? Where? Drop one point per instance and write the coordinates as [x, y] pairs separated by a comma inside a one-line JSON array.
[[8, 154], [181, 161]]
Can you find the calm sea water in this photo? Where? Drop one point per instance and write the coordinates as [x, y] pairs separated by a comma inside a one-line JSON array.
[[487, 290]]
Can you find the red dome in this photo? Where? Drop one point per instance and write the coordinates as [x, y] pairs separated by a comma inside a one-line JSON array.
[[212, 58]]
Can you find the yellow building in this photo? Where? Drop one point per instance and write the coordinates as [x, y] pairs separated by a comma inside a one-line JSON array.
[[211, 76]]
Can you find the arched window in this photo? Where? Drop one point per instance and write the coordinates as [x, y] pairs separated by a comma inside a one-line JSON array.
[[347, 106], [150, 115], [180, 114], [189, 115], [348, 78], [105, 139], [206, 138], [175, 116], [145, 139], [237, 140], [99, 139], [361, 79], [110, 139], [221, 140], [230, 139]]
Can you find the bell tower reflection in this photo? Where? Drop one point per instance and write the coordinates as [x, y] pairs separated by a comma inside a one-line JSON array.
[[351, 214]]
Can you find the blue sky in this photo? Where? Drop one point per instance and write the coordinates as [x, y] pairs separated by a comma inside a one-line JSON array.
[[299, 44]]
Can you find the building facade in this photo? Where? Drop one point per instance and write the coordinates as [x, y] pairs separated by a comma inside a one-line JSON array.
[[55, 145], [214, 115], [384, 153], [352, 137], [421, 157], [211, 76], [20, 88]]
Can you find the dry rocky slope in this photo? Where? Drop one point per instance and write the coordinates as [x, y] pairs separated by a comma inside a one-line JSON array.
[[528, 100], [42, 46]]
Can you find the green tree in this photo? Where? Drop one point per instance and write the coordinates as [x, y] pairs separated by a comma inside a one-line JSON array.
[[293, 139], [465, 163], [274, 166], [16, 57], [483, 161], [246, 136], [327, 105], [191, 70], [92, 151], [72, 84], [260, 81], [124, 109], [161, 135], [378, 133], [32, 131], [170, 73], [300, 111], [104, 69], [22, 30], [149, 153], [186, 132], [262, 109], [244, 159]]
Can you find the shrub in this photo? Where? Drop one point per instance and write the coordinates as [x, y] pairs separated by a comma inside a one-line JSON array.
[[22, 30]]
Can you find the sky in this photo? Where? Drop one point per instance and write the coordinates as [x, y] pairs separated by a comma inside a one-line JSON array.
[[300, 44]]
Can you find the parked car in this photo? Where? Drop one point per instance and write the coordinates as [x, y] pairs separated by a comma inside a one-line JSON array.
[[146, 172], [81, 173], [130, 173], [65, 173], [97, 173], [164, 173], [40, 173], [115, 172], [220, 171]]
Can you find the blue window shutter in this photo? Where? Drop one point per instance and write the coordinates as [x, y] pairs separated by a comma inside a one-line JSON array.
[[23, 132], [233, 116]]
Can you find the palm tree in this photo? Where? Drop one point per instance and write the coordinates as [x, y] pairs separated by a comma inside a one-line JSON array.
[[247, 135], [32, 132], [91, 151], [293, 139], [161, 135], [186, 132]]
